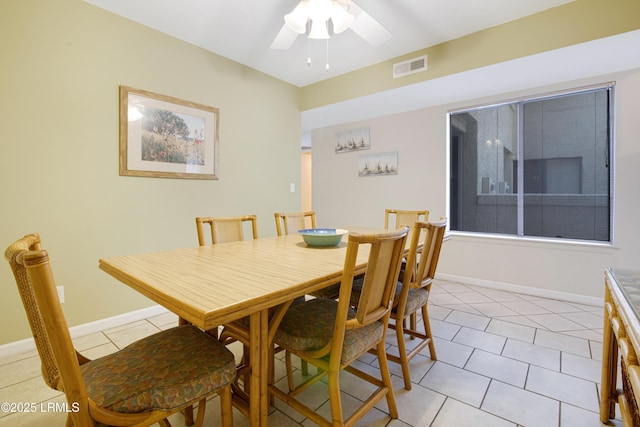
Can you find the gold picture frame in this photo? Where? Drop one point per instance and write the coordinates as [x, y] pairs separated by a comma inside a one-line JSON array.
[[166, 137]]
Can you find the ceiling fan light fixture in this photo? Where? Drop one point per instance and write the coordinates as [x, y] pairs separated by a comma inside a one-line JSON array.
[[319, 30], [340, 17], [297, 19], [319, 12]]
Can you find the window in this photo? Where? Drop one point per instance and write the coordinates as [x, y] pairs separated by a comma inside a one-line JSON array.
[[536, 167]]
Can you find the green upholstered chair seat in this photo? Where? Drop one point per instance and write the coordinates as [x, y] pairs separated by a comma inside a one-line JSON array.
[[163, 371], [309, 326], [416, 298]]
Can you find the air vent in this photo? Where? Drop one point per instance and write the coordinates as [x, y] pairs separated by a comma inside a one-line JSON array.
[[411, 66]]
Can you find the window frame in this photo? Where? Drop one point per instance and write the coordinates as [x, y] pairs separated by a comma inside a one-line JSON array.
[[521, 100]]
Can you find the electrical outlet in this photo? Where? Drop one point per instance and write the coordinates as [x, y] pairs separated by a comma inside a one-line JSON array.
[[61, 294], [292, 187]]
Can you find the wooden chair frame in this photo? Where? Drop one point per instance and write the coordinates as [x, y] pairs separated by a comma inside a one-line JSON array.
[[404, 217], [375, 305], [60, 361], [424, 257], [225, 229], [289, 223]]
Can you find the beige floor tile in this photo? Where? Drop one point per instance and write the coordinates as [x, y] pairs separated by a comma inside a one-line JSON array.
[[469, 320], [564, 388], [457, 383], [454, 413], [555, 322], [527, 307], [498, 367], [18, 371], [556, 306], [452, 353], [473, 297], [482, 340], [511, 330], [586, 319], [122, 337], [534, 354], [581, 367], [500, 296], [563, 342], [89, 341], [521, 406], [444, 330], [494, 309], [418, 406], [572, 416]]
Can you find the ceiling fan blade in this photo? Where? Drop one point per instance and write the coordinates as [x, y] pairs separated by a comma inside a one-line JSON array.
[[366, 27], [284, 39]]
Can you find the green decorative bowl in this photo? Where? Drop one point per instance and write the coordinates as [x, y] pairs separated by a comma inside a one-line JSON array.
[[323, 236]]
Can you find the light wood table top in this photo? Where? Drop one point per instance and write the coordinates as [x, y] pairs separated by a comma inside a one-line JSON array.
[[212, 285]]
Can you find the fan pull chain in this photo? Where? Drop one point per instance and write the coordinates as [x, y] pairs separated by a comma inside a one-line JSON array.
[[326, 67], [308, 45]]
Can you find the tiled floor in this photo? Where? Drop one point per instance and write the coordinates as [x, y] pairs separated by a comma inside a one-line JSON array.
[[504, 359]]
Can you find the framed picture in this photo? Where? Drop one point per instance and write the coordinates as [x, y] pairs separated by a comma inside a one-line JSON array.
[[352, 140], [166, 137], [378, 164]]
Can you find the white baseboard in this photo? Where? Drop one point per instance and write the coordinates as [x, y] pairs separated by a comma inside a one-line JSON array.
[[28, 344], [527, 290]]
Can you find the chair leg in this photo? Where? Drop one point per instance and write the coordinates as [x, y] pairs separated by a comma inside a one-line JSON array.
[[386, 380], [413, 324], [289, 367], [333, 382], [202, 405], [427, 331], [402, 353], [188, 416], [226, 410]]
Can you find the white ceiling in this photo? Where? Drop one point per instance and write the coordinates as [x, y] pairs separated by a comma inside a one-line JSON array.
[[242, 30]]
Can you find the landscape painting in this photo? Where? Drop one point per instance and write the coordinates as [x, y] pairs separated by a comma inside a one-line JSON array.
[[166, 137]]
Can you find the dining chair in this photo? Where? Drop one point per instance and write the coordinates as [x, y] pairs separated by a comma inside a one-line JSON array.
[[225, 229], [403, 217], [143, 383], [331, 335], [424, 253], [289, 223]]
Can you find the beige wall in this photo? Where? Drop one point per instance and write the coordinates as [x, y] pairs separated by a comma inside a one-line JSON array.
[[62, 63], [341, 198]]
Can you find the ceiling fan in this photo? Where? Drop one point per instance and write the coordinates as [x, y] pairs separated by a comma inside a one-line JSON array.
[[343, 14]]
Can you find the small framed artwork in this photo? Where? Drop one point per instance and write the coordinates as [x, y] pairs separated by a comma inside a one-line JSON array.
[[378, 164], [166, 137], [353, 140]]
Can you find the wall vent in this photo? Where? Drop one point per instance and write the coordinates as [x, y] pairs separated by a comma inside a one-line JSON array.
[[411, 66]]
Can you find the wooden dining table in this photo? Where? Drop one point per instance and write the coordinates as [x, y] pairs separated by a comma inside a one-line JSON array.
[[212, 285]]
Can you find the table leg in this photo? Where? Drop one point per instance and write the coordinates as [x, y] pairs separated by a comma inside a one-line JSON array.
[[259, 350]]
